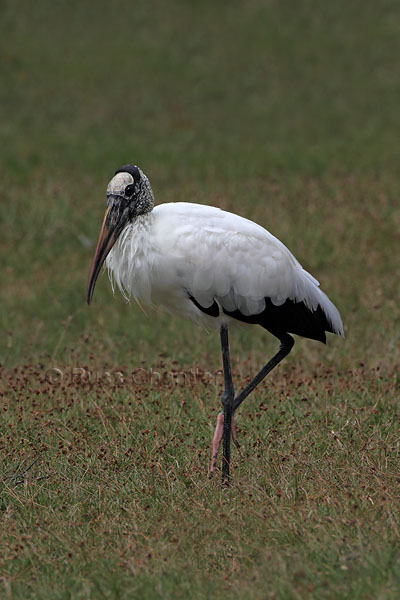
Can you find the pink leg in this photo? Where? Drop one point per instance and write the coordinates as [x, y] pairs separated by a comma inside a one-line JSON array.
[[219, 429]]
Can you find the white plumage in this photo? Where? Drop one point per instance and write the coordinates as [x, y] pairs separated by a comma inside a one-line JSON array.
[[181, 249], [213, 267]]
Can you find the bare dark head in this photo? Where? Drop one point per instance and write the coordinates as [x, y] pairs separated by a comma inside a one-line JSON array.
[[131, 186]]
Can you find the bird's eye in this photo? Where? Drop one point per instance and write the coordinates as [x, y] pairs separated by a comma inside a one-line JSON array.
[[129, 190]]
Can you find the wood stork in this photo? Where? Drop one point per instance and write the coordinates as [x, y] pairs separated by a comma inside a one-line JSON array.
[[213, 267]]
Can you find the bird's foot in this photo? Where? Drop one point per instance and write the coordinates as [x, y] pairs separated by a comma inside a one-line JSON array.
[[218, 433]]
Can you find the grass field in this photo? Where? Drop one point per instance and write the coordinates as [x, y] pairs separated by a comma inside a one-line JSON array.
[[287, 113]]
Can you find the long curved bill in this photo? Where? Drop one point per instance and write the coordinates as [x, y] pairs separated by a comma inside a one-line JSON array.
[[110, 230]]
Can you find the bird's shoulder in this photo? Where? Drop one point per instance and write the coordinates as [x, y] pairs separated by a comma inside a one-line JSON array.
[[190, 211], [208, 235], [203, 220]]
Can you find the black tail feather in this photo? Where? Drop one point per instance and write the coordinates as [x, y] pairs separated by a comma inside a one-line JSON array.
[[289, 317]]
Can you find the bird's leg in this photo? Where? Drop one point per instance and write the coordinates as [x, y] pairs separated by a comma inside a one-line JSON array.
[[287, 343], [224, 427], [219, 428], [228, 399]]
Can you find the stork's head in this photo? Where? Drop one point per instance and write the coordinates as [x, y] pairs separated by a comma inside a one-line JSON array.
[[129, 195]]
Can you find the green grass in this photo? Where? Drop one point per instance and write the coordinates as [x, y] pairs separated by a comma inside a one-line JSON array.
[[284, 112]]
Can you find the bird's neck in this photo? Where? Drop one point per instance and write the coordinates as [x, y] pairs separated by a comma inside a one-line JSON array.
[[136, 236], [129, 262], [135, 241]]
